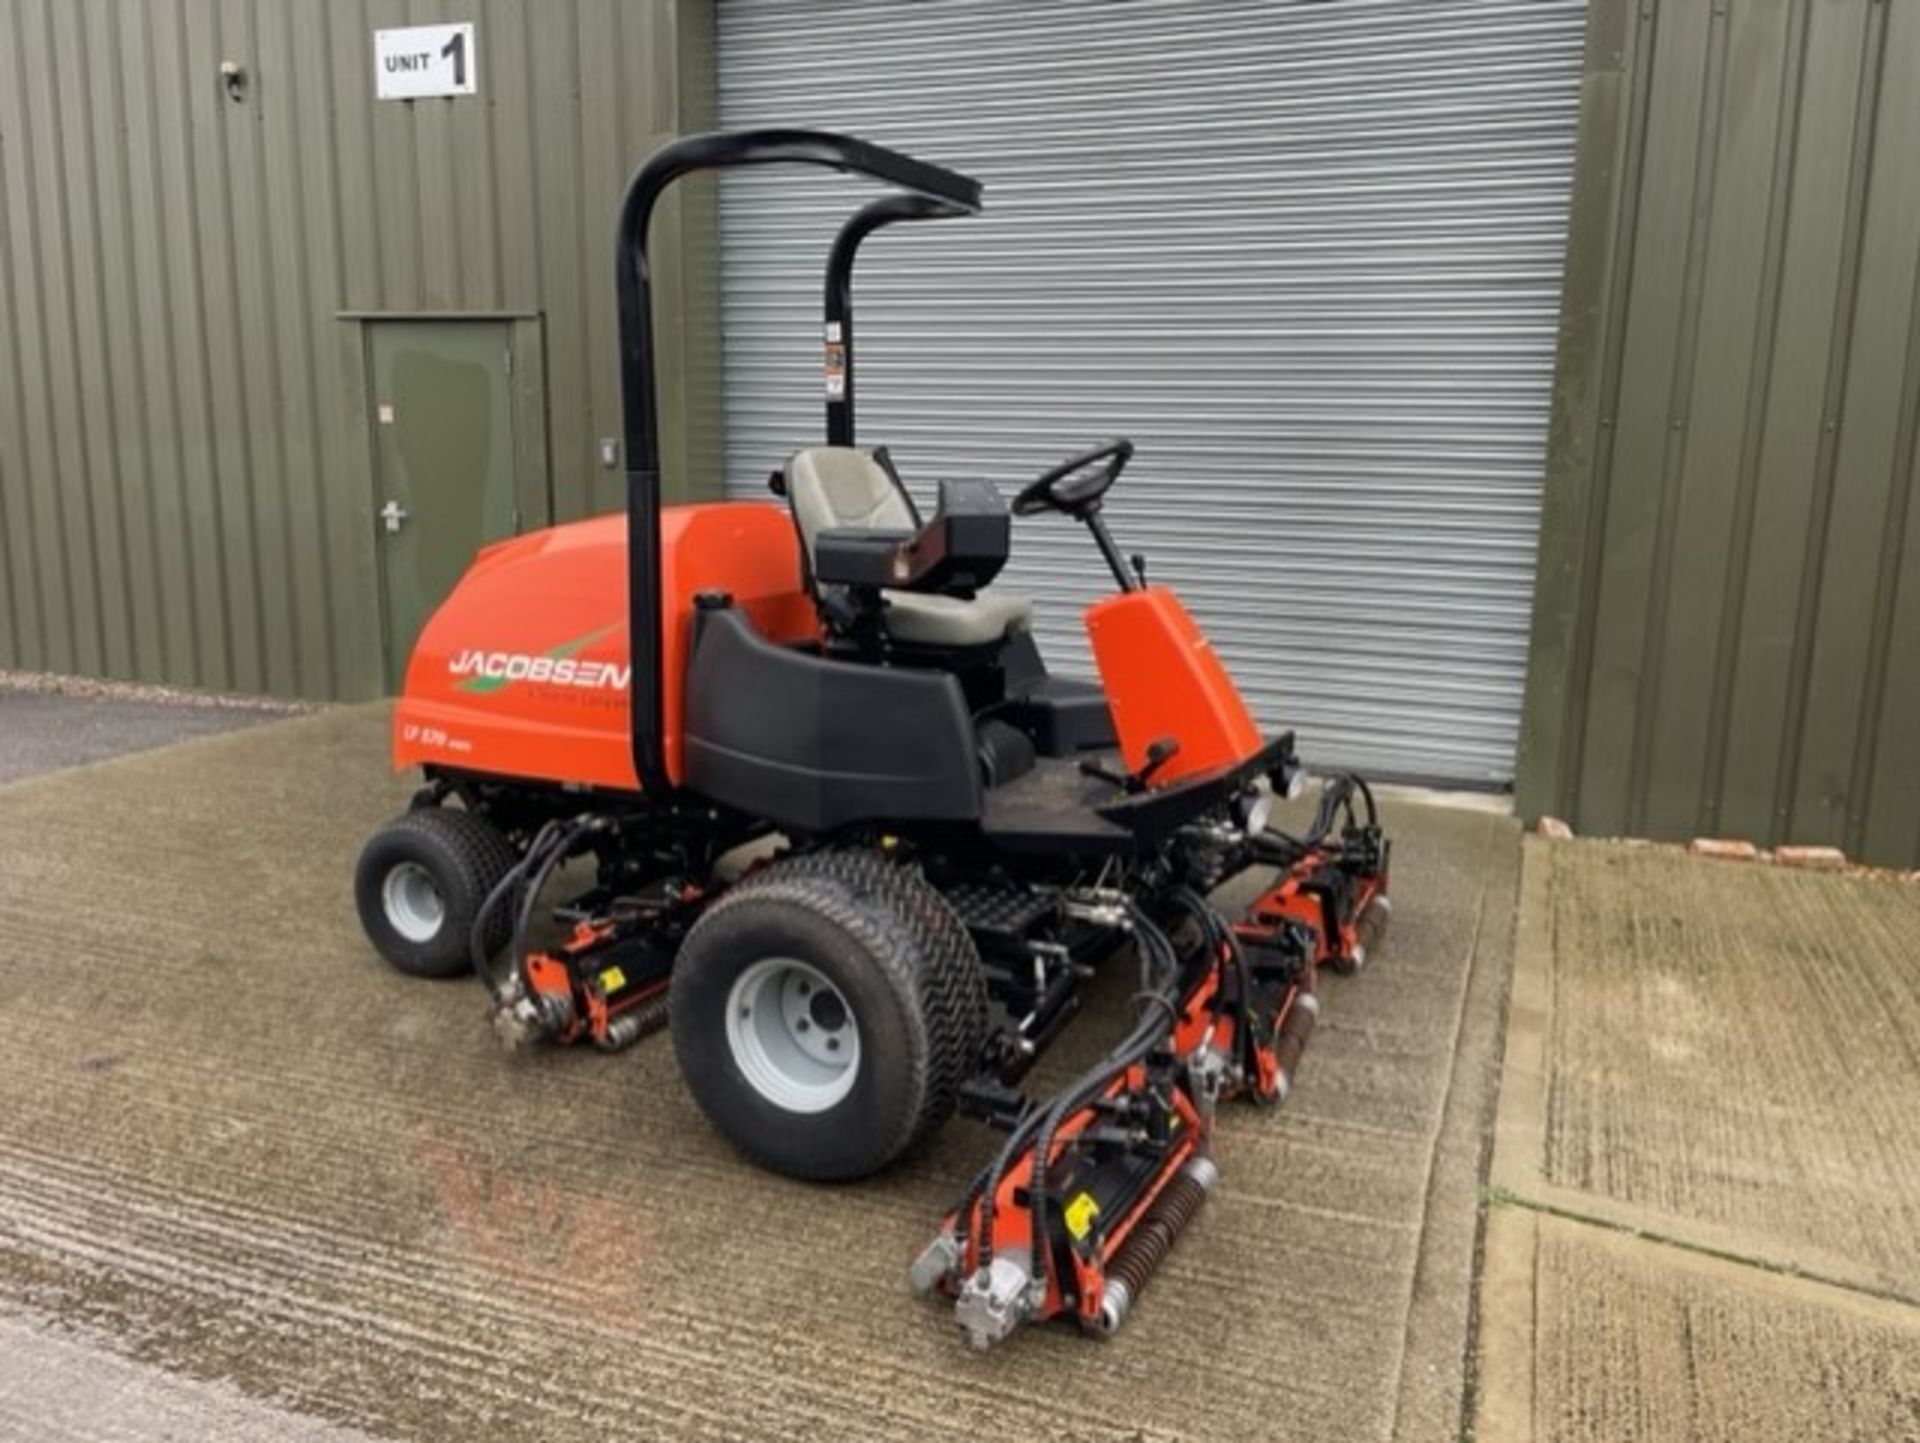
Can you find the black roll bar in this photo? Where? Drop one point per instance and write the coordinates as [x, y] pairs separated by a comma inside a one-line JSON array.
[[839, 307], [634, 300]]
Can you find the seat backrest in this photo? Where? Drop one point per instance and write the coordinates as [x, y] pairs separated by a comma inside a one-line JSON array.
[[842, 486]]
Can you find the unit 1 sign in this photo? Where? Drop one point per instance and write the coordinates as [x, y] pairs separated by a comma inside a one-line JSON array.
[[424, 61]]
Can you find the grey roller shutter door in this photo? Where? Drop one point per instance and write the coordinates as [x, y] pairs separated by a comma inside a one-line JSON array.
[[1307, 256]]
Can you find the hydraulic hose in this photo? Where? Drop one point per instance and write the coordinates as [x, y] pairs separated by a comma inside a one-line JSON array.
[[1222, 941], [986, 1188], [551, 845], [1160, 1010], [557, 853], [477, 935], [1338, 794]]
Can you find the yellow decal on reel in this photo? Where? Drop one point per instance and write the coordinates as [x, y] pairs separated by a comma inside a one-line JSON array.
[[1080, 1212]]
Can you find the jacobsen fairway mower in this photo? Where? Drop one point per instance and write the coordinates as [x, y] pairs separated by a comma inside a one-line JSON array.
[[950, 838]]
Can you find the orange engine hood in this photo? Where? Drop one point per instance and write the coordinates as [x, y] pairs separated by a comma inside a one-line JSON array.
[[526, 670]]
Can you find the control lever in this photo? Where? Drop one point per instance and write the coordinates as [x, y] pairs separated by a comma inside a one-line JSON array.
[[1158, 755]]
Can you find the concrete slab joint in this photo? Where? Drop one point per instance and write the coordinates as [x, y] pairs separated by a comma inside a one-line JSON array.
[[1706, 1172]]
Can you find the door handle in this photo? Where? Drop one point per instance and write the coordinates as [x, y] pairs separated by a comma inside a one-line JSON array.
[[394, 515]]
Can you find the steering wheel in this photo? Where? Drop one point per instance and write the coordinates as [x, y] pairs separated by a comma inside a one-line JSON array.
[[1076, 486]]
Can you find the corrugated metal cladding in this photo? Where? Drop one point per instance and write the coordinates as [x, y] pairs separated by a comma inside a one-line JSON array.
[[1307, 256], [1728, 639], [185, 492]]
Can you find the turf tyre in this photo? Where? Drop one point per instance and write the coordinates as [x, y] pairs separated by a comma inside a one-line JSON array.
[[908, 972], [465, 856]]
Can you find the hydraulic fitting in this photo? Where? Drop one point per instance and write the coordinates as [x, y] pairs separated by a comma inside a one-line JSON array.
[[995, 1301], [938, 1262]]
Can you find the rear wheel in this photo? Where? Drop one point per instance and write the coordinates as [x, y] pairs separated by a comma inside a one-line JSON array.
[[419, 885], [826, 1011]]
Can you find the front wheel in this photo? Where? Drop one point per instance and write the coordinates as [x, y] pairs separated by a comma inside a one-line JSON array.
[[826, 1011], [419, 885]]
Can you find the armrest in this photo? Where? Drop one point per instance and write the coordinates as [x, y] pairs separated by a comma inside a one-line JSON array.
[[860, 556], [966, 543], [957, 553]]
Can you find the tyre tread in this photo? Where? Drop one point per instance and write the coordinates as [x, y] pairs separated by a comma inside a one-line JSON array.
[[477, 850], [901, 921]]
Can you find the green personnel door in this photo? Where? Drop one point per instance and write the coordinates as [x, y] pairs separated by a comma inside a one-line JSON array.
[[449, 457]]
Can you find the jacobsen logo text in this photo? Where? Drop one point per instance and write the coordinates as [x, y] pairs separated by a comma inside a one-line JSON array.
[[499, 668]]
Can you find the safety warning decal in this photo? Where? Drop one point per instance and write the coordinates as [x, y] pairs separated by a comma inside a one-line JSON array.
[[1080, 1212], [836, 366]]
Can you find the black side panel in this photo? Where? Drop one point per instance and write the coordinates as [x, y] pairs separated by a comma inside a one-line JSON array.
[[812, 744], [1023, 663], [1062, 715]]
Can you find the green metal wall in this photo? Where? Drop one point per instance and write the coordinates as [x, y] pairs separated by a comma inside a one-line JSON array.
[[185, 483], [1727, 625]]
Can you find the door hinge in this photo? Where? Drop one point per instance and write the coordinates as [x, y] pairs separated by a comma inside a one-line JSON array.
[[509, 360]]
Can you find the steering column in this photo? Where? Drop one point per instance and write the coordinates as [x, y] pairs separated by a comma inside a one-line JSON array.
[[1076, 487]]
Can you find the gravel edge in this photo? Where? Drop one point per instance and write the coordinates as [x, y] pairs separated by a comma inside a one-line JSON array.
[[44, 683]]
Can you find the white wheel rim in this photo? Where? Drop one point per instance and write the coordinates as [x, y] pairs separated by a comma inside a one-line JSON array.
[[415, 909], [792, 1035]]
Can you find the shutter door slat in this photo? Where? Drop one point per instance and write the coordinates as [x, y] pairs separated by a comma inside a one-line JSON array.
[[1307, 255]]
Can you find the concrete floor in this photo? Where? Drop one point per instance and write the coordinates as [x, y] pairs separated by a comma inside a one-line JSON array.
[[1707, 1169], [253, 1180], [62, 1384]]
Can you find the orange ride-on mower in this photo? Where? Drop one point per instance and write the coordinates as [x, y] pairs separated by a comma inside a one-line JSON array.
[[948, 839]]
